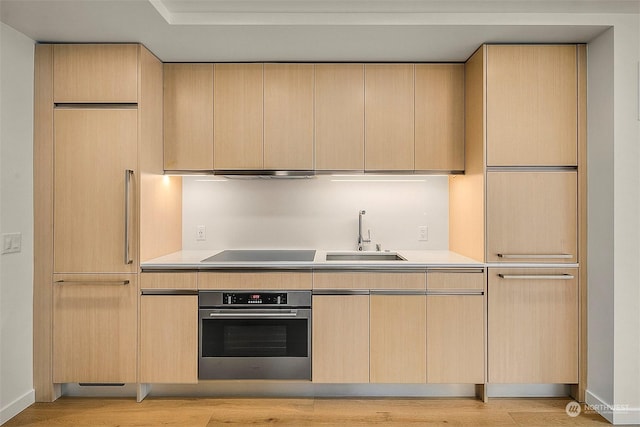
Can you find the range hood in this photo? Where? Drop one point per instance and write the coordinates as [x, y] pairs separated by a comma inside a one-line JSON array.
[[261, 173]]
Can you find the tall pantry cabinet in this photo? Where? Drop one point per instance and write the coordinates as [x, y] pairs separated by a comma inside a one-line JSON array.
[[521, 207], [97, 112]]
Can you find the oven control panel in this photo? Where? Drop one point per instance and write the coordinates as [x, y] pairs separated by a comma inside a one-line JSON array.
[[242, 298]]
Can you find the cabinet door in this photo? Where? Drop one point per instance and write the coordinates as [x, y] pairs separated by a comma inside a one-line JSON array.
[[533, 325], [169, 339], [95, 328], [188, 116], [100, 73], [389, 117], [398, 339], [340, 339], [532, 105], [439, 117], [532, 217], [94, 210], [339, 117], [455, 339], [288, 116], [238, 116]]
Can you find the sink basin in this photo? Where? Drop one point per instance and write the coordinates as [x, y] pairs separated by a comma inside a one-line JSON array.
[[364, 256]]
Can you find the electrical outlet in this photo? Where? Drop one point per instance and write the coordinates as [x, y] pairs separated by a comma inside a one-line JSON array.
[[423, 233], [201, 232], [11, 243]]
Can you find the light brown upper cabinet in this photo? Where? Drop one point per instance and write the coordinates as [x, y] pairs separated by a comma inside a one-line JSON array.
[[288, 116], [533, 325], [90, 73], [439, 117], [94, 190], [238, 116], [532, 216], [389, 117], [188, 116], [339, 117], [532, 105]]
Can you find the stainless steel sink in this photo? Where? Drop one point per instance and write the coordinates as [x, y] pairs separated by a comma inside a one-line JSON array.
[[364, 256]]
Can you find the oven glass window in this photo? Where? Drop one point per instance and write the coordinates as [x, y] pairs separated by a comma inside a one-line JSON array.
[[254, 338]]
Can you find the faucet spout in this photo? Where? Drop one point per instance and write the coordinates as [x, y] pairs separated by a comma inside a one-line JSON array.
[[362, 240]]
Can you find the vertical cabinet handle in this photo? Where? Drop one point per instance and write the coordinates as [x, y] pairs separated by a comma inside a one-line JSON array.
[[128, 173]]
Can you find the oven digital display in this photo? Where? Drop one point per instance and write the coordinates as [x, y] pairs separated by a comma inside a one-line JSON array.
[[239, 298]]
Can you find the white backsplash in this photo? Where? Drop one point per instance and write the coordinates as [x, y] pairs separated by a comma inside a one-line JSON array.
[[320, 212]]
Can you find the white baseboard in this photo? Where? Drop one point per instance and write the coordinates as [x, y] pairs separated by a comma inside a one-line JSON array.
[[615, 414], [17, 406]]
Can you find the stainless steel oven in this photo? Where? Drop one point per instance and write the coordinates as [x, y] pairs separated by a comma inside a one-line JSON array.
[[255, 335]]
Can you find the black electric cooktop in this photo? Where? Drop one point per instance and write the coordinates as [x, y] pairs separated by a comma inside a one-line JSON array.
[[262, 255]]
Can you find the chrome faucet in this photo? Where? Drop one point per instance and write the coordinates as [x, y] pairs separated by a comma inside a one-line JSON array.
[[361, 240]]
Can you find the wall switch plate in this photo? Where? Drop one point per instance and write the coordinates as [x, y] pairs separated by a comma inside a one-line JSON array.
[[423, 233], [11, 243], [201, 232]]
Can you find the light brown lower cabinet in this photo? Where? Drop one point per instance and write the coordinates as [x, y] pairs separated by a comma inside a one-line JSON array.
[[340, 339], [398, 339], [533, 325], [455, 339], [169, 339], [95, 328]]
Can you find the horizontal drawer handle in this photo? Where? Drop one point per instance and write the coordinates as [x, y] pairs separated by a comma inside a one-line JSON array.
[[536, 276], [253, 314], [446, 292], [535, 256], [90, 282]]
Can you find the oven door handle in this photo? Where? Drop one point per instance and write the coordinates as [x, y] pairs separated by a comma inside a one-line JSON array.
[[235, 314]]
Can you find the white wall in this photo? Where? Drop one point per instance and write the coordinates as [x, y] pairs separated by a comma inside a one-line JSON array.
[[16, 215], [321, 212], [614, 223]]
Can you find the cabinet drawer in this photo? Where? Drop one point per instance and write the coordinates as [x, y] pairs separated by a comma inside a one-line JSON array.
[[255, 280], [533, 325], [95, 328], [369, 280], [102, 73], [532, 216], [440, 280], [187, 280]]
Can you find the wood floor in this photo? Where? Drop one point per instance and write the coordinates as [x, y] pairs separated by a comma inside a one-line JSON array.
[[193, 412]]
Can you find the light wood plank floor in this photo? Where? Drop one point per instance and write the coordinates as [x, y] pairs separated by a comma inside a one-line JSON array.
[[194, 412]]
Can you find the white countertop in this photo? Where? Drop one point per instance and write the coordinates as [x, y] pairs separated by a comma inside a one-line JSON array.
[[191, 260]]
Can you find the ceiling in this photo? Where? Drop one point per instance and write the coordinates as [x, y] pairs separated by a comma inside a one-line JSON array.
[[298, 30]]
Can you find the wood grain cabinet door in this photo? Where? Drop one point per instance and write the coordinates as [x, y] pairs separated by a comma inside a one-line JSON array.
[[455, 339], [91, 73], [288, 116], [238, 116], [439, 117], [94, 208], [169, 339], [340, 339], [398, 339], [532, 106], [532, 216], [389, 117], [188, 116], [339, 117], [533, 325], [95, 328]]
